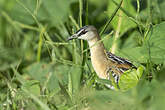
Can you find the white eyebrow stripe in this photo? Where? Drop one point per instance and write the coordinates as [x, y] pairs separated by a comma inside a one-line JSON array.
[[79, 31]]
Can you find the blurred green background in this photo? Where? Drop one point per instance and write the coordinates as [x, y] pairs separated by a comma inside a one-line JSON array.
[[40, 69]]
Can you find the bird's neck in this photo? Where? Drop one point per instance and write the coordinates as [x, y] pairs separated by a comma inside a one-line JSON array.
[[98, 57], [96, 47]]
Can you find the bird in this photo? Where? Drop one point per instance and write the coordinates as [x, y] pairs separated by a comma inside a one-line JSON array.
[[105, 64]]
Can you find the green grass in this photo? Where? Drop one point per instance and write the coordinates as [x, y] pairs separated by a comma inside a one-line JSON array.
[[41, 70]]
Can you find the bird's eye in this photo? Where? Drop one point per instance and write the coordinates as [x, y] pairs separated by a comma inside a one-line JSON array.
[[82, 32]]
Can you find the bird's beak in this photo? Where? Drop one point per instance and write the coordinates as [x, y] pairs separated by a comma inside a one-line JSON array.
[[74, 36]]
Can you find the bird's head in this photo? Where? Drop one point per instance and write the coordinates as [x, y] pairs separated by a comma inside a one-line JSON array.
[[85, 33]]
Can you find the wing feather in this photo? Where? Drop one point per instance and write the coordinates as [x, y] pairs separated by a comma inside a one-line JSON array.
[[119, 66]]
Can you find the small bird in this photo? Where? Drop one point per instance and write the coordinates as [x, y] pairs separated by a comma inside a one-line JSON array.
[[104, 63]]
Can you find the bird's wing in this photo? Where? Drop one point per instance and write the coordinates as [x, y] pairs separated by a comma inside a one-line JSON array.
[[118, 66], [119, 60]]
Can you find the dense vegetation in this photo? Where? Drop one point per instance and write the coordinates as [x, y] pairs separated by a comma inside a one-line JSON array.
[[40, 69]]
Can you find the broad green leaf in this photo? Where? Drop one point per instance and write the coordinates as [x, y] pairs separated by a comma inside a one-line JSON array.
[[162, 8], [137, 54], [59, 73], [130, 78], [38, 71], [155, 43], [108, 41], [153, 48], [32, 86], [49, 74], [132, 41]]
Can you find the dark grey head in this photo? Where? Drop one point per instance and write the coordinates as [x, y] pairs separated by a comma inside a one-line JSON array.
[[85, 33]]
